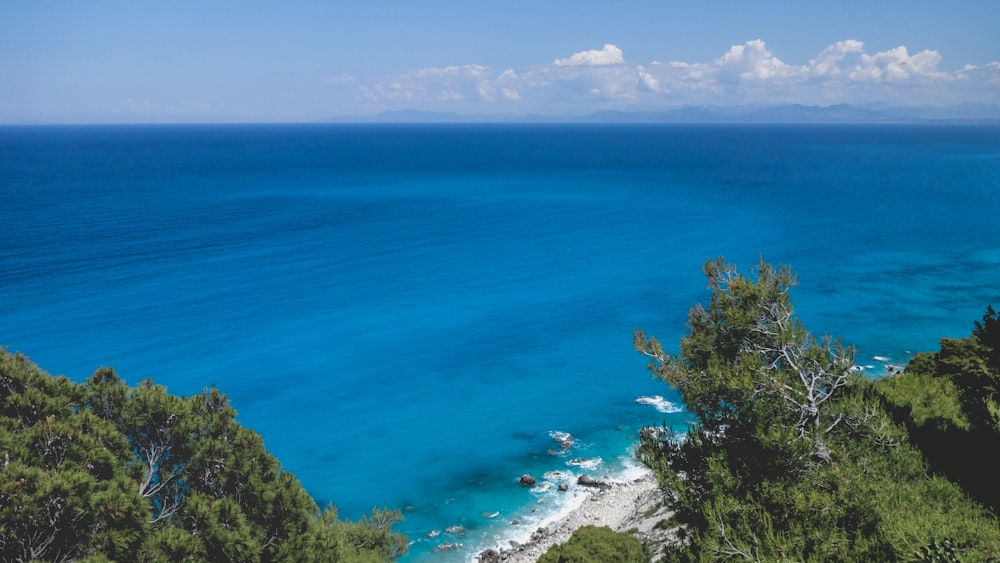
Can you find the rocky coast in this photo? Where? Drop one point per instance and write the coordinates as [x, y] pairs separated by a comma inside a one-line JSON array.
[[634, 506]]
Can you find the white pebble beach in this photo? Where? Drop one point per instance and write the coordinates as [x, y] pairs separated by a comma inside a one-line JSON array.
[[633, 505]]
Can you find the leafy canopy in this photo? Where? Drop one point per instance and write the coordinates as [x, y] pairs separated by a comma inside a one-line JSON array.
[[795, 456], [104, 471]]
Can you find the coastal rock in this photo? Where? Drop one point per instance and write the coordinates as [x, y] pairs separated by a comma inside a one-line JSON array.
[[588, 481], [449, 547], [563, 487], [456, 530], [489, 556], [527, 480], [433, 533], [635, 506]]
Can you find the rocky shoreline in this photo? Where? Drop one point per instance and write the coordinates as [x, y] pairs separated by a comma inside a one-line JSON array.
[[634, 505]]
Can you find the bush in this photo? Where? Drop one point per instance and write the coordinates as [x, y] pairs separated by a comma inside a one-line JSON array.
[[591, 544]]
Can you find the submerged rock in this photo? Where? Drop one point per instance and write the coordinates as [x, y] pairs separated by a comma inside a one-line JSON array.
[[457, 530]]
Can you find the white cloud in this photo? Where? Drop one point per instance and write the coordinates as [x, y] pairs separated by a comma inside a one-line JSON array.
[[991, 76], [754, 61], [745, 73], [609, 55], [510, 94], [647, 79], [840, 73], [897, 65], [827, 63], [452, 71], [434, 85]]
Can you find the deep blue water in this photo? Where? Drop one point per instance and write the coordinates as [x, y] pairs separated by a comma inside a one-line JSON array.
[[407, 312]]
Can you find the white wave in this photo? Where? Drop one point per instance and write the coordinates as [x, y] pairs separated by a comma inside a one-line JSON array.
[[560, 436], [557, 475], [560, 507], [660, 403], [632, 470], [542, 487], [557, 506], [881, 358], [586, 462]]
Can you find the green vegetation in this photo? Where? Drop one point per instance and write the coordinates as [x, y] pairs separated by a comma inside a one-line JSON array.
[[105, 472], [798, 458], [949, 402], [591, 544]]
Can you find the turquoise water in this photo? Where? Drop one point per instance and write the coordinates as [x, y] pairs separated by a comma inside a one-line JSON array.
[[408, 313]]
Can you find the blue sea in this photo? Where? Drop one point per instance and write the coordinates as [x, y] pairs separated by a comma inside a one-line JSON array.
[[412, 315]]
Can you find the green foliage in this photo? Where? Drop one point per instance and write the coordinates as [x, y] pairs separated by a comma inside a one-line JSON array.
[[932, 401], [795, 458], [106, 472], [949, 401], [748, 359], [64, 492], [591, 544], [987, 332], [971, 366]]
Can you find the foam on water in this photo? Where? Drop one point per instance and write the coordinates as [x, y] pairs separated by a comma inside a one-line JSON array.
[[552, 505], [660, 403]]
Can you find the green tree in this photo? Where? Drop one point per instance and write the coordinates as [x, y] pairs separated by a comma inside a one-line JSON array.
[[794, 456], [107, 472], [950, 402], [64, 491], [748, 348]]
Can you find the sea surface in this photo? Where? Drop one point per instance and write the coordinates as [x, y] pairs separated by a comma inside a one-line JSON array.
[[412, 315]]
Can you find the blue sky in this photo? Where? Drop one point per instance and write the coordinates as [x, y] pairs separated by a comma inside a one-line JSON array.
[[226, 61]]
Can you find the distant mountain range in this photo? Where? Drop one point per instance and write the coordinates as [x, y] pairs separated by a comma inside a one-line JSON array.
[[792, 113]]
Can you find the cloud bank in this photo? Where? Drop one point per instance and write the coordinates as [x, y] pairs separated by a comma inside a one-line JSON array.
[[751, 73]]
